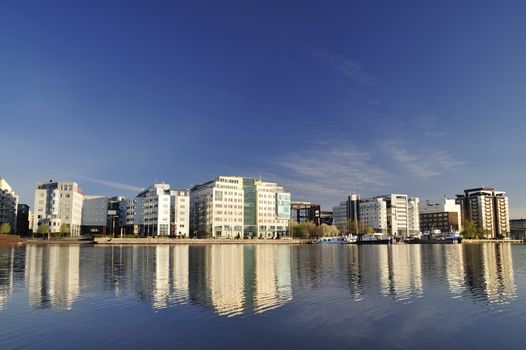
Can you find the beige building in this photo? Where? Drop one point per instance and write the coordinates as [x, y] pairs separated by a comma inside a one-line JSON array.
[[487, 209], [235, 206], [8, 204], [58, 203]]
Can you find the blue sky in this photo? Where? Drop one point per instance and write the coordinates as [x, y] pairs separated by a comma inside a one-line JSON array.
[[325, 97]]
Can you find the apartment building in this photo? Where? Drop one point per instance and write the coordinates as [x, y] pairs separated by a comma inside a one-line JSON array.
[[487, 209], [8, 204], [157, 211], [443, 215], [234, 206], [58, 203]]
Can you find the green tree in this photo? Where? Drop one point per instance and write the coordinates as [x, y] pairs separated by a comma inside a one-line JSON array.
[[43, 230], [328, 230], [64, 230], [311, 230], [471, 230], [5, 229], [296, 230]]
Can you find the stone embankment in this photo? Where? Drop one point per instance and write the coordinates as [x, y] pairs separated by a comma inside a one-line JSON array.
[[511, 241], [151, 240]]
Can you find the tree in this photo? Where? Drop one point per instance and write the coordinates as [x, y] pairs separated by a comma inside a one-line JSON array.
[[43, 230], [328, 230], [5, 229], [310, 229], [355, 227], [471, 230], [64, 230]]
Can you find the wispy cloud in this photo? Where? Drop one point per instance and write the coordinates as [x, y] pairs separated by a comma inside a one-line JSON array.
[[421, 161], [437, 133], [112, 184], [347, 67], [330, 172]]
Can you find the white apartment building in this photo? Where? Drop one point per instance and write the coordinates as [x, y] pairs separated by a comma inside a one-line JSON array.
[[158, 211], [58, 203], [272, 209], [233, 206], [217, 207], [180, 212], [8, 204], [402, 214], [373, 213]]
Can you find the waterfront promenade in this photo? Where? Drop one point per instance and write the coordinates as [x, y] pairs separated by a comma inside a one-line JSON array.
[[151, 240]]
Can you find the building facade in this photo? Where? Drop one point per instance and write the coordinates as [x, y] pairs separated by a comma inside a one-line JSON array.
[[303, 212], [441, 215], [156, 211], [394, 214], [236, 207], [373, 214], [94, 215], [58, 203], [487, 208], [22, 220], [345, 211], [8, 204]]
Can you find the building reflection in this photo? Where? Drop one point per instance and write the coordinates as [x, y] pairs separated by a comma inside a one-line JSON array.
[[454, 266], [241, 279], [52, 275], [406, 271], [7, 261], [489, 272]]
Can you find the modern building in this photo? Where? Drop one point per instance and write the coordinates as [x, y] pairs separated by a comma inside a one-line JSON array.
[[157, 211], [345, 211], [395, 214], [234, 206], [487, 208], [22, 220], [402, 214], [373, 214], [443, 215], [101, 215], [303, 212], [58, 203], [8, 204]]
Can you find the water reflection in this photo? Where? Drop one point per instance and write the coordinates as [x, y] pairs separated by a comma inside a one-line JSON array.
[[52, 276], [249, 279], [7, 255]]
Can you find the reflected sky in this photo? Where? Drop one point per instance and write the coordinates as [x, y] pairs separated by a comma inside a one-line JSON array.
[[392, 287]]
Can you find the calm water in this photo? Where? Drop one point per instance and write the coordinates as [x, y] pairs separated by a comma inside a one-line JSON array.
[[263, 296]]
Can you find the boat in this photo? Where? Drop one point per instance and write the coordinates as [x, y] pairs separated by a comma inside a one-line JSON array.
[[375, 238], [442, 238], [350, 239]]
